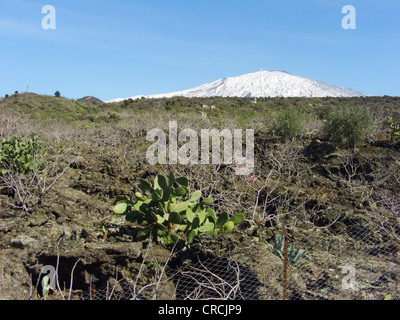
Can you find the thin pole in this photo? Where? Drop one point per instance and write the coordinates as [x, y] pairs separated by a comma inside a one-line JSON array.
[[285, 259]]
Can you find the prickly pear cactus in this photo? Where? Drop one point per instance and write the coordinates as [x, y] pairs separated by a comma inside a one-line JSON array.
[[168, 211], [20, 155]]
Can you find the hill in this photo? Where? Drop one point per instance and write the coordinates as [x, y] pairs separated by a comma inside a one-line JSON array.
[[49, 107]]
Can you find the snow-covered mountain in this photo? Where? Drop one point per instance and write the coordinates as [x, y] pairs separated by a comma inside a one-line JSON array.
[[263, 83]]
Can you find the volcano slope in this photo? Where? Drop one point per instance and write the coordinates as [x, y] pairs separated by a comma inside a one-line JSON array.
[[340, 205]]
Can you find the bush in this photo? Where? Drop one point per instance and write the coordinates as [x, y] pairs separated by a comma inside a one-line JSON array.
[[114, 116], [394, 129], [348, 125], [57, 94], [289, 124], [109, 117]]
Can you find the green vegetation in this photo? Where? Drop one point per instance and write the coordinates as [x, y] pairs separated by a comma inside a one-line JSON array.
[[40, 107], [109, 117], [57, 94], [394, 129], [168, 211], [277, 248], [348, 125], [20, 155], [289, 124]]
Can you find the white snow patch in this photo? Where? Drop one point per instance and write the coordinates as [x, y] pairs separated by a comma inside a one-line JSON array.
[[260, 84]]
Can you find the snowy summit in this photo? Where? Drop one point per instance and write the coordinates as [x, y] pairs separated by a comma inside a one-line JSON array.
[[259, 84]]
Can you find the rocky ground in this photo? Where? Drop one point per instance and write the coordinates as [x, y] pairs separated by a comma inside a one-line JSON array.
[[339, 205]]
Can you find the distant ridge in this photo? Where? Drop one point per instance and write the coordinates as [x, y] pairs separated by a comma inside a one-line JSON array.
[[263, 83]]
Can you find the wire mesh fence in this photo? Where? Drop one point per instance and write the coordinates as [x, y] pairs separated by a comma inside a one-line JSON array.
[[329, 271]]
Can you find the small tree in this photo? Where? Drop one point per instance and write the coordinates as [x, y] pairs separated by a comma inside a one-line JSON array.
[[57, 94]]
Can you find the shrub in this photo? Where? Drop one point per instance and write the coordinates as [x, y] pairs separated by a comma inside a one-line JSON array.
[[114, 116], [167, 211], [109, 117], [394, 125], [57, 94], [348, 125], [289, 124]]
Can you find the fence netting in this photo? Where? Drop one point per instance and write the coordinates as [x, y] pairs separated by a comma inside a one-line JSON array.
[[358, 264]]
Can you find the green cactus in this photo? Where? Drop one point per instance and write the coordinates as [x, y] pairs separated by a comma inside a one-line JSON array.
[[19, 155], [168, 211], [277, 248]]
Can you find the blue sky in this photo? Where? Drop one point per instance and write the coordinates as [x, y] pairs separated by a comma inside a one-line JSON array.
[[121, 48]]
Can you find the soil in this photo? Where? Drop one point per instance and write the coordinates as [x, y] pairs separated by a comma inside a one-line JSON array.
[[350, 237], [66, 231]]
